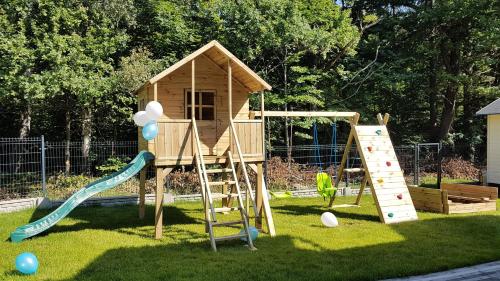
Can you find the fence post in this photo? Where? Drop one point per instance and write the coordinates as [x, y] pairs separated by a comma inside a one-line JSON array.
[[439, 165], [44, 181], [415, 164]]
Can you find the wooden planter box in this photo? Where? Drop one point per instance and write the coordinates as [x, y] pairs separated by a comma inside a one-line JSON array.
[[455, 198]]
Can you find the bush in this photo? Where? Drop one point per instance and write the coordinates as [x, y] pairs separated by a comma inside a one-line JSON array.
[[112, 164]]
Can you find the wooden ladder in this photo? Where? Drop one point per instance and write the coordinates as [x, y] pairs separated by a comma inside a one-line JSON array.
[[208, 197]]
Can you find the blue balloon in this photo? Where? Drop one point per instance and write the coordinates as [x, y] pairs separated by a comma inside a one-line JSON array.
[[27, 263], [254, 232], [150, 130]]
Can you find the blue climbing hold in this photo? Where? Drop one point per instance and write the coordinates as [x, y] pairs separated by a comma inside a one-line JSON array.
[[378, 132], [390, 215]]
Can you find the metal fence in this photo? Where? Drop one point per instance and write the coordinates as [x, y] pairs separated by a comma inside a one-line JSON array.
[[415, 160], [35, 167]]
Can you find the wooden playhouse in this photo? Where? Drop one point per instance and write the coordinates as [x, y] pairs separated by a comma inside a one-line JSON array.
[[206, 123]]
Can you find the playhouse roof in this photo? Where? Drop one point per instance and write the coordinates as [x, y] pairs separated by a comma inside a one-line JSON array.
[[490, 109], [219, 55]]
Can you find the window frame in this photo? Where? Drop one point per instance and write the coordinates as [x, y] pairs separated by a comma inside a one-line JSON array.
[[200, 106]]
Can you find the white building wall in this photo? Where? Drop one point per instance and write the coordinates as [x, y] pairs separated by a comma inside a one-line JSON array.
[[493, 157]]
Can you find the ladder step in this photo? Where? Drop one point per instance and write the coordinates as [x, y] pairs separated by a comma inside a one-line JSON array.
[[354, 170], [230, 237], [225, 223], [222, 195], [216, 171], [226, 209], [215, 183]]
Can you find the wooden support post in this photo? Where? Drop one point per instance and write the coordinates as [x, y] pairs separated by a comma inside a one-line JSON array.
[[155, 91], [265, 203], [230, 100], [142, 193], [193, 144], [258, 196], [361, 189], [262, 117], [347, 148], [159, 203]]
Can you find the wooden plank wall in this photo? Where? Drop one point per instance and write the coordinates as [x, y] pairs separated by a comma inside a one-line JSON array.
[[474, 191], [214, 135], [250, 137], [427, 199]]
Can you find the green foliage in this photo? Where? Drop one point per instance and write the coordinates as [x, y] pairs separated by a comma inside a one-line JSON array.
[[430, 64], [63, 181], [112, 164]]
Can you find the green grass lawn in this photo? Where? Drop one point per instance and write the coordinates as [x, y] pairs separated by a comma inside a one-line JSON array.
[[112, 244]]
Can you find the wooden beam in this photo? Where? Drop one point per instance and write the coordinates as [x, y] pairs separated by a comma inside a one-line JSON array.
[[383, 120], [142, 193], [340, 172], [230, 98], [262, 112], [306, 114], [155, 91], [159, 204], [265, 203], [258, 196]]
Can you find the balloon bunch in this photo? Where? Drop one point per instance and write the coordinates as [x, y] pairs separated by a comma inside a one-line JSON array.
[[147, 119]]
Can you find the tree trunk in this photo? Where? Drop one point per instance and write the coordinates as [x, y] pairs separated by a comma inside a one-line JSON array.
[[25, 122], [86, 135], [452, 65], [67, 151], [433, 94], [24, 131]]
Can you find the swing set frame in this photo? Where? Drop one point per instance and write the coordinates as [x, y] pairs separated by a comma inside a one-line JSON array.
[[351, 117]]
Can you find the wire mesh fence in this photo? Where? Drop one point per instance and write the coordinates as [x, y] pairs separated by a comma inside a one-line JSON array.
[[35, 167]]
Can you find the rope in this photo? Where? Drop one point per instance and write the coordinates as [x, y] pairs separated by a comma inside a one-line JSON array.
[[316, 145]]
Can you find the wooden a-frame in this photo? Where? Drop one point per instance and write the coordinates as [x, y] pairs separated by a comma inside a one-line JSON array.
[[386, 180]]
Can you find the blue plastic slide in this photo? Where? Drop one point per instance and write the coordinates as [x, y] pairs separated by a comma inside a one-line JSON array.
[[81, 195]]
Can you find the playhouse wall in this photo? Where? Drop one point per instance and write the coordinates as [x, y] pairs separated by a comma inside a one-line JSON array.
[[493, 151], [171, 89]]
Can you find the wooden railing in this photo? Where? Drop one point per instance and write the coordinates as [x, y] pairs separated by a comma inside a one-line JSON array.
[[202, 172], [249, 133], [174, 140], [235, 140]]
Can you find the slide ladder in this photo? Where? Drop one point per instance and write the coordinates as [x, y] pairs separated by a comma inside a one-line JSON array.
[[105, 183], [230, 181]]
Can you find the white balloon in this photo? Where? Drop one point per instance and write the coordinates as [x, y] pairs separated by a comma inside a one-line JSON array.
[[141, 118], [154, 110], [329, 219]]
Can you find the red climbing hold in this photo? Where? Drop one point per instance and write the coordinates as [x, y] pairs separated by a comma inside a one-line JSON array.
[[400, 196], [370, 149], [388, 163]]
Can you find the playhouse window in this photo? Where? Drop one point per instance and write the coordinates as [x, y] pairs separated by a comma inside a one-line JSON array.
[[204, 101]]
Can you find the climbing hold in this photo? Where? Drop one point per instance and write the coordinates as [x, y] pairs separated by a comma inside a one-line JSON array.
[[378, 132], [390, 215], [400, 196], [388, 163], [381, 180], [370, 149]]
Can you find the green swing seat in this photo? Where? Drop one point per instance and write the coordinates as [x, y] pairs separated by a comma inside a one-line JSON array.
[[324, 185]]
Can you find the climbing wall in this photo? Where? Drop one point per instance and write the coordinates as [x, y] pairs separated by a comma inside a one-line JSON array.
[[386, 179]]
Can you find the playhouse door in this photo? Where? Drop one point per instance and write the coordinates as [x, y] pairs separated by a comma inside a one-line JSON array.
[[205, 119]]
